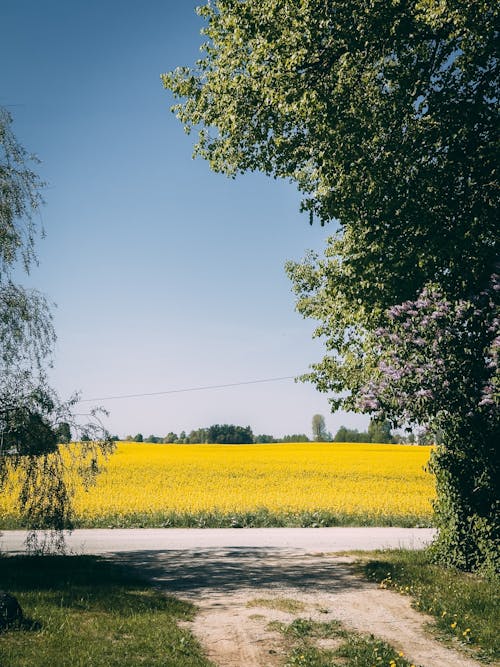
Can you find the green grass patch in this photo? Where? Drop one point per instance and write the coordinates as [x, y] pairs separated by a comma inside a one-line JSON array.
[[260, 518], [350, 649], [466, 607], [301, 628], [281, 604], [88, 611]]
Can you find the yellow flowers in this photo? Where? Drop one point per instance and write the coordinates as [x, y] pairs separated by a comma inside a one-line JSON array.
[[365, 481]]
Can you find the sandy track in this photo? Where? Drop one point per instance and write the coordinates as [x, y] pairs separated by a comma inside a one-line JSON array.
[[221, 582]]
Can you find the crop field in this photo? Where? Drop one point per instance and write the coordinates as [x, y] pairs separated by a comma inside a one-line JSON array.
[[310, 484]]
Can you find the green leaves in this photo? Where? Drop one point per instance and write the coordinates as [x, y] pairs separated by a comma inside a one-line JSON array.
[[376, 110], [385, 116]]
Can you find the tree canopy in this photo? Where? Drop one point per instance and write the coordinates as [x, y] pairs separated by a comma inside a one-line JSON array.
[[382, 113], [318, 427], [229, 434], [385, 116], [379, 431]]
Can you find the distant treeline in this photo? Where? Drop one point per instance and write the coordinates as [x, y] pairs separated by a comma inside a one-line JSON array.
[[223, 434], [378, 431]]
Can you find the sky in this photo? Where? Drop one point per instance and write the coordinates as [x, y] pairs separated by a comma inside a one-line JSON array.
[[165, 275]]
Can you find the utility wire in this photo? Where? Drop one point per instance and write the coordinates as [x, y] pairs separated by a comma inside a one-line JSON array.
[[181, 391]]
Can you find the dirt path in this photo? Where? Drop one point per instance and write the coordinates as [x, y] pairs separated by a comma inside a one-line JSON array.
[[226, 585]]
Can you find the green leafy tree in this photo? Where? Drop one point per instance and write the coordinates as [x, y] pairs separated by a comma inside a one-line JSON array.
[[295, 437], [341, 435], [379, 430], [320, 434], [385, 116], [438, 366], [229, 434], [32, 417], [263, 439], [198, 436], [138, 437], [351, 435], [63, 432], [170, 438]]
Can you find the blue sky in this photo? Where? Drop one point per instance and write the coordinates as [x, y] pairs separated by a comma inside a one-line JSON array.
[[165, 275]]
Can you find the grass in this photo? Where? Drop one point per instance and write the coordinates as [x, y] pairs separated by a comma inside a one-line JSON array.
[[350, 649], [466, 607], [258, 518], [281, 604], [85, 611], [301, 628]]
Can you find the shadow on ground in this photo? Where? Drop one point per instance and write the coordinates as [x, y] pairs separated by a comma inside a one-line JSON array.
[[224, 571], [81, 583]]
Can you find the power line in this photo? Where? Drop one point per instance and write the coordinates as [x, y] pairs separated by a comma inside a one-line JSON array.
[[182, 391]]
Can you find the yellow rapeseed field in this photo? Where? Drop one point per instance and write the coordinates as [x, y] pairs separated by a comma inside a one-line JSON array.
[[301, 484]]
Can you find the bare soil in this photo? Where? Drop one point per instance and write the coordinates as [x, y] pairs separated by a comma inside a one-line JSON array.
[[225, 583]]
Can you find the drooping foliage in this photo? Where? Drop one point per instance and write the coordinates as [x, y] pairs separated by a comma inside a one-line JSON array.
[[385, 116], [33, 420]]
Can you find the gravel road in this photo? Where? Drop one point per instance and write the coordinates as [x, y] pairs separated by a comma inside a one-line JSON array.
[[305, 540], [227, 573]]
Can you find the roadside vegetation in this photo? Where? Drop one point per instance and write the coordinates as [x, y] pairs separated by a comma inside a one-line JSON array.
[[345, 648], [83, 610], [465, 606]]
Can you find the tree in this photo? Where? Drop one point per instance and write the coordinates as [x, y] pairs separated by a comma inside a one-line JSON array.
[[385, 116], [33, 420], [170, 438], [263, 438], [138, 437], [63, 433], [351, 435], [295, 437], [379, 430], [341, 435], [229, 434], [198, 436], [320, 434]]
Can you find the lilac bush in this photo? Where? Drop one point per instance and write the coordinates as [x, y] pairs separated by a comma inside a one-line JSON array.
[[437, 366]]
